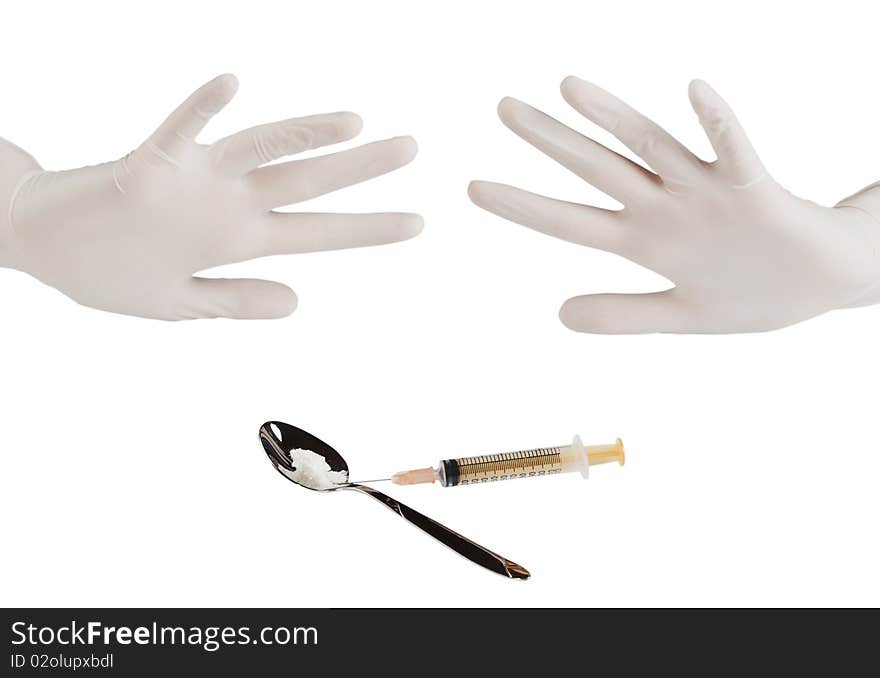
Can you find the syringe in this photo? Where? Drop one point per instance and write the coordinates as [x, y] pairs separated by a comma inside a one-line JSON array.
[[523, 464]]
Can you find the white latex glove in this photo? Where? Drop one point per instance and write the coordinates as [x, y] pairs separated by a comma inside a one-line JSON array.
[[127, 236], [745, 255]]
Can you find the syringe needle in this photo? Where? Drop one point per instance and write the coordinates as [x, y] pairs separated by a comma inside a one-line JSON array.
[[374, 480]]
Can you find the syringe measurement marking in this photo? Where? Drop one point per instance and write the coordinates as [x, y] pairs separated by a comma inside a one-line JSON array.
[[523, 464]]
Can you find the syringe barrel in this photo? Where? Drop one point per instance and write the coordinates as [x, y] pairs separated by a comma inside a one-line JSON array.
[[490, 467]]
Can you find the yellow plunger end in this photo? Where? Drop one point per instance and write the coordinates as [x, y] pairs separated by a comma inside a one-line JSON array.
[[605, 454]]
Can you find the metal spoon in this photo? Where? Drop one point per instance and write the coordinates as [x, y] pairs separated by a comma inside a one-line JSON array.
[[279, 439]]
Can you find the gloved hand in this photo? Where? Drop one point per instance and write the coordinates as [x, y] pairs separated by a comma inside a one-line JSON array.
[[127, 236], [745, 255]]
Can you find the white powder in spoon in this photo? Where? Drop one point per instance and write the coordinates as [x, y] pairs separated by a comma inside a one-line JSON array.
[[313, 471]]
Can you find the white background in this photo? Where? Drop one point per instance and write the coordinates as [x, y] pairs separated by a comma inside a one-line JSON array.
[[131, 471]]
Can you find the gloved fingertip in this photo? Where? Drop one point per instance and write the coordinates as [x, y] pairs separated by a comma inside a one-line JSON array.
[[568, 314], [578, 92], [406, 148], [282, 302], [226, 86], [508, 107], [478, 191], [351, 123], [701, 94], [587, 313], [261, 300], [569, 83], [410, 225]]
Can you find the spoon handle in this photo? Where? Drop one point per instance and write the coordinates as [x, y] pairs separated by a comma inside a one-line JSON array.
[[461, 545]]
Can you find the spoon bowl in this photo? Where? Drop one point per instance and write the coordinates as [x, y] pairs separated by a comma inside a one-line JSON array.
[[280, 440]]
